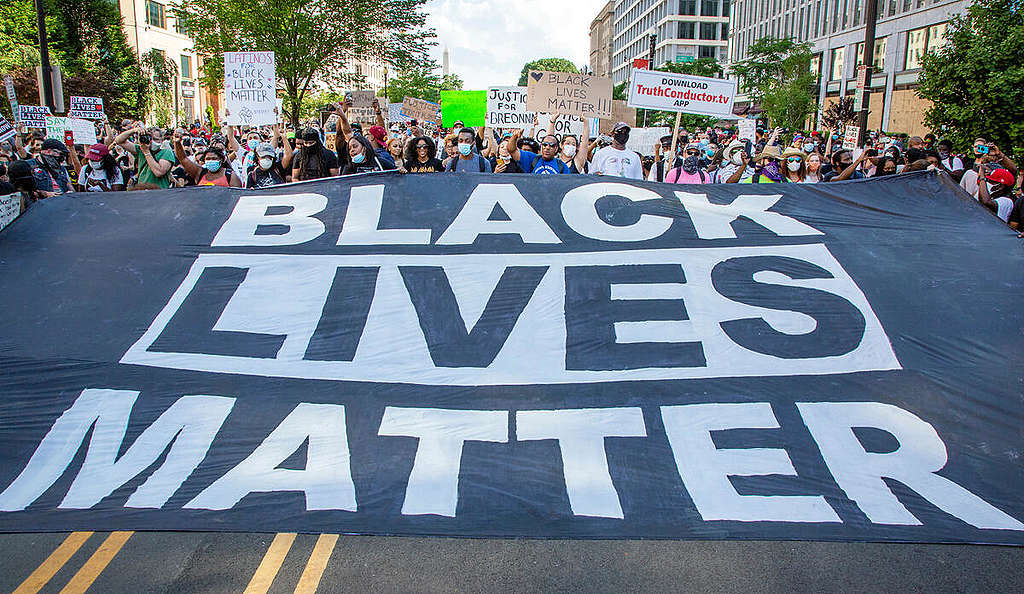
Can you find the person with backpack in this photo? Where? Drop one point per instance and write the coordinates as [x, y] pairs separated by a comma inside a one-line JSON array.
[[545, 163], [466, 160], [689, 172]]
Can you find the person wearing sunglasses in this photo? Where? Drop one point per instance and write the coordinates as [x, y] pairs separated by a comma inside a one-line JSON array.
[[421, 157], [689, 172], [794, 162], [546, 163]]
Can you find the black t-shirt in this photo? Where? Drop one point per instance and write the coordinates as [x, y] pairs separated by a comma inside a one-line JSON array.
[[431, 166], [263, 178], [371, 164], [319, 165]]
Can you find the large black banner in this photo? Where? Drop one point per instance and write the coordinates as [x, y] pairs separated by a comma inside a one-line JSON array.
[[544, 356]]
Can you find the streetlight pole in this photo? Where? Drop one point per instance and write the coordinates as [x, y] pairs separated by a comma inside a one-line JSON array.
[[870, 16], [44, 56]]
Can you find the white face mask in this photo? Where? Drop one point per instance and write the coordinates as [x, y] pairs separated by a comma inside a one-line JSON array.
[[569, 150], [737, 158], [266, 162], [794, 166]]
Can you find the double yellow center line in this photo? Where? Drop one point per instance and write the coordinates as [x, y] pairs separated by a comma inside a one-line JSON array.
[[67, 549], [278, 550]]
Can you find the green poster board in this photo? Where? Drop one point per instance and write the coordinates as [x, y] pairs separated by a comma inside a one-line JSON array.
[[469, 107]]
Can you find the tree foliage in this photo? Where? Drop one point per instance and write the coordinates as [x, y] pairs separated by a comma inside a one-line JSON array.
[[840, 114], [777, 75], [702, 67], [976, 80], [422, 83], [313, 39], [86, 38], [550, 64]]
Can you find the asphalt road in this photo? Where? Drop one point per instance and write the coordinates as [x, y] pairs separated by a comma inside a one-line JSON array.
[[208, 562]]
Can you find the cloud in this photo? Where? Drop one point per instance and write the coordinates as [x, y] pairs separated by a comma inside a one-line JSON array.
[[488, 42]]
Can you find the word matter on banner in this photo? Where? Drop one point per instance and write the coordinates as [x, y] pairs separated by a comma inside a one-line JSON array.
[[250, 80], [650, 89], [574, 94]]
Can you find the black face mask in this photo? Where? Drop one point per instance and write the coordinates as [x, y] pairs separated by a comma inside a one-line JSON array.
[[621, 136], [690, 164], [52, 163]]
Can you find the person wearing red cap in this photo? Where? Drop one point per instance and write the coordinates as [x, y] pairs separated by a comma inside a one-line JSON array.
[[995, 193], [378, 138], [100, 172]]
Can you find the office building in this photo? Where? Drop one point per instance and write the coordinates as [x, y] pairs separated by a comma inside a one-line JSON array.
[[906, 29], [601, 41], [150, 26], [683, 31]]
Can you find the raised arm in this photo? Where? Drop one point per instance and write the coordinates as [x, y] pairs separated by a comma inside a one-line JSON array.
[[490, 146], [229, 133], [581, 155], [853, 167], [346, 129], [380, 117], [190, 168], [122, 139], [738, 174], [513, 142], [19, 143], [286, 160]]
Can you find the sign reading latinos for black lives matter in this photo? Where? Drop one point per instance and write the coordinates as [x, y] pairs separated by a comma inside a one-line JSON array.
[[609, 359], [250, 80], [566, 93], [651, 89], [89, 108]]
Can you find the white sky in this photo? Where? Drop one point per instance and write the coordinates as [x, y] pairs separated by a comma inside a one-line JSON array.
[[488, 42]]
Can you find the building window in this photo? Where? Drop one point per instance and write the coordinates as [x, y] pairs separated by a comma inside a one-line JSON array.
[[709, 7], [707, 31], [180, 26], [816, 66], [688, 7], [186, 66], [686, 30], [837, 63], [155, 14], [878, 60], [936, 36], [707, 51], [923, 40]]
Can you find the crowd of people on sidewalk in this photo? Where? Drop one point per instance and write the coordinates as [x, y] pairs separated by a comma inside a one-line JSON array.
[[132, 156]]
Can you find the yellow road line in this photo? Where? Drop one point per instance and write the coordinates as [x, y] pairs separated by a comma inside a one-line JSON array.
[[97, 563], [316, 565], [271, 563], [47, 569]]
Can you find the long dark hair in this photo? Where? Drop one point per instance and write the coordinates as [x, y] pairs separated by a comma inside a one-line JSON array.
[[410, 149], [108, 164], [319, 149], [367, 150]]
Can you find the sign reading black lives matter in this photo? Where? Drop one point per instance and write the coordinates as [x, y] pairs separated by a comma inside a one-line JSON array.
[[89, 108], [383, 354]]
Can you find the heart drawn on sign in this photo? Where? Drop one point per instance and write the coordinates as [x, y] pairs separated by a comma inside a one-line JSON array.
[[537, 75]]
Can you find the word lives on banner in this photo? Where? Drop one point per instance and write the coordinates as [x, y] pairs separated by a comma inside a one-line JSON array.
[[250, 95], [536, 356]]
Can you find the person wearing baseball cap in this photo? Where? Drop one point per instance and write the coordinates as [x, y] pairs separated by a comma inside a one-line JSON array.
[[268, 170], [100, 172], [615, 160], [994, 193], [378, 138], [48, 169]]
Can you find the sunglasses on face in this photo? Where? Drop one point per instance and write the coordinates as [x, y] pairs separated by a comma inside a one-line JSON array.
[[422, 146], [691, 153], [551, 144], [794, 159]]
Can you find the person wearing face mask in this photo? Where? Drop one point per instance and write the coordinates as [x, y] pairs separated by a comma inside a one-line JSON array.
[[735, 166], [48, 169], [615, 160], [952, 164], [421, 157], [468, 161], [886, 166], [100, 173], [154, 163], [995, 193], [689, 171], [504, 163], [768, 169], [545, 163], [812, 174], [573, 155], [313, 160], [213, 171], [795, 167], [844, 167], [268, 171], [362, 157]]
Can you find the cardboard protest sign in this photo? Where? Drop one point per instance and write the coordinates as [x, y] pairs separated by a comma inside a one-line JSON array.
[[422, 110], [12, 97], [395, 113], [850, 137], [747, 129], [650, 89], [468, 107], [6, 129], [563, 126], [620, 113], [10, 208], [506, 108], [563, 92], [250, 79], [82, 131], [33, 116], [362, 110], [89, 108], [642, 140], [331, 140]]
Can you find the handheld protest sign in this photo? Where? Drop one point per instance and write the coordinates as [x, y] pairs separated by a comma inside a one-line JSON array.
[[667, 91], [422, 110], [6, 129], [80, 131], [12, 97], [250, 79], [89, 108], [468, 107], [563, 92], [33, 116], [506, 108], [362, 110]]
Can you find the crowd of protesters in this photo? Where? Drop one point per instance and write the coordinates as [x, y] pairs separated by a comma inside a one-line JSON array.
[[136, 157]]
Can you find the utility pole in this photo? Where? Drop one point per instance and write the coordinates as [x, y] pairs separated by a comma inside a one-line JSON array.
[[650, 63], [870, 17], [44, 56]]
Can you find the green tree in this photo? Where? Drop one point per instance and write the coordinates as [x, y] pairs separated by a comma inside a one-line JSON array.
[[703, 67], [777, 75], [87, 40], [313, 39], [976, 80], [550, 64], [160, 99], [422, 83]]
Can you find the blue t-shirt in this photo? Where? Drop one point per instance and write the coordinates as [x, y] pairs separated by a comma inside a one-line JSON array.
[[475, 164], [534, 163]]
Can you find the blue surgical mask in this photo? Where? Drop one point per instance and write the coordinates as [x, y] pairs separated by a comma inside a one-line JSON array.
[[359, 158], [465, 149], [212, 166], [253, 143]]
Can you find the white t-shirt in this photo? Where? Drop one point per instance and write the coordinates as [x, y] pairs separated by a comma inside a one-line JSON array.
[[618, 163], [957, 163], [96, 180], [969, 182], [1004, 206]]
